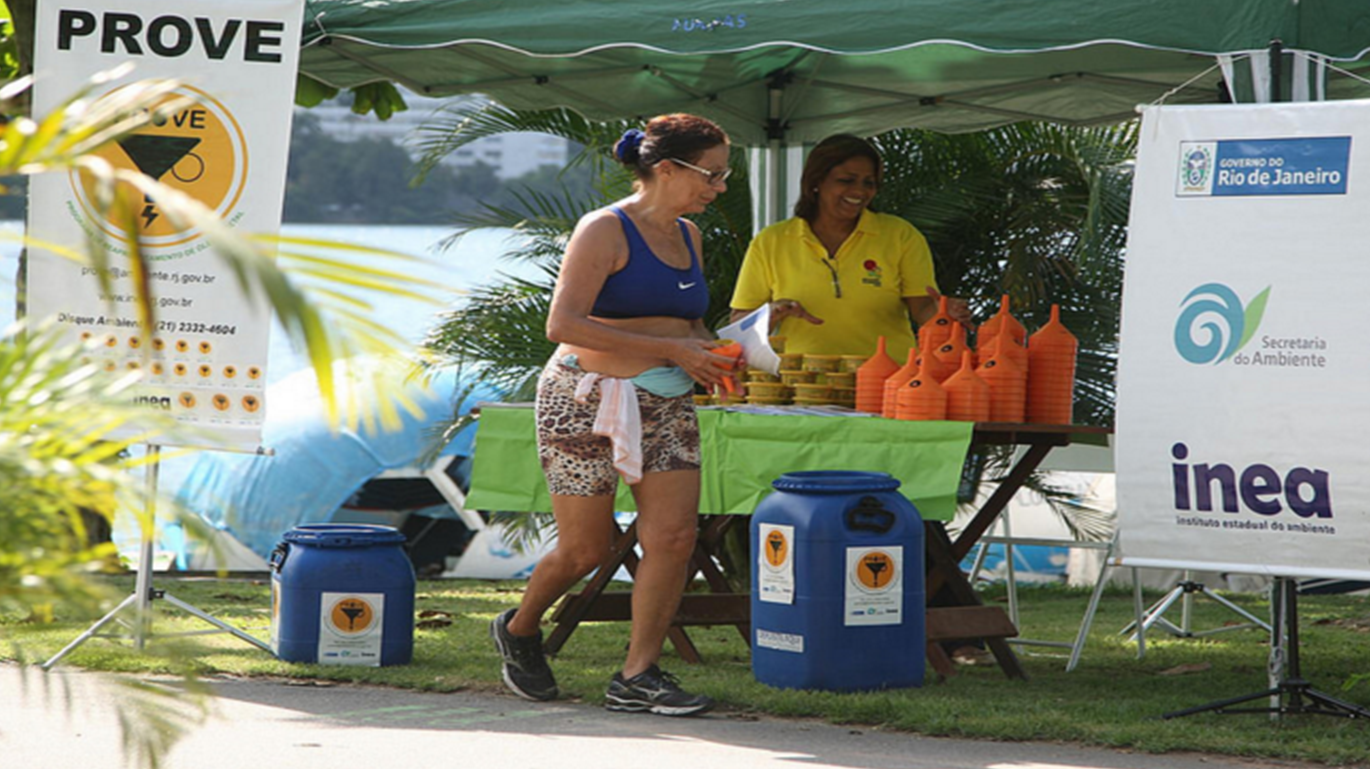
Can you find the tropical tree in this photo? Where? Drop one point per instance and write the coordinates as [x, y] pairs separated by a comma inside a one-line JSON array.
[[65, 425], [1032, 211]]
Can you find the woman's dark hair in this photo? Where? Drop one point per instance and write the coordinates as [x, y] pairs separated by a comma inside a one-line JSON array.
[[682, 136], [823, 158]]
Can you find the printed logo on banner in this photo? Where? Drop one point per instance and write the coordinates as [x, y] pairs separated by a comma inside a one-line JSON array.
[[1196, 168], [1245, 167], [198, 149], [1252, 496], [1213, 325]]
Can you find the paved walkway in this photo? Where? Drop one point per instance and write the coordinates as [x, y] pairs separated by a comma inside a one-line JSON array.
[[68, 719]]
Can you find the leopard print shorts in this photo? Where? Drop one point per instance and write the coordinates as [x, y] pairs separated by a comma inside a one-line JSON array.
[[579, 463]]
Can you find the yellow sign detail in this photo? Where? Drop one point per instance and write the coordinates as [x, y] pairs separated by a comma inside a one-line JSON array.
[[875, 570], [198, 149], [777, 548], [352, 615]]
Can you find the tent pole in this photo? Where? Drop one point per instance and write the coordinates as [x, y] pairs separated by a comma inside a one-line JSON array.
[[1276, 69]]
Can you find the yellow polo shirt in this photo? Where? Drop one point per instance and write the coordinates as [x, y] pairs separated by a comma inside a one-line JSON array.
[[884, 260]]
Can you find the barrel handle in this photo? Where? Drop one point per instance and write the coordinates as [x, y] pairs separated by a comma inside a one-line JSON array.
[[278, 556], [870, 515]]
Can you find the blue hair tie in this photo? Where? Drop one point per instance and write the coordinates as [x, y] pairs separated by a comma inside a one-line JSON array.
[[629, 142]]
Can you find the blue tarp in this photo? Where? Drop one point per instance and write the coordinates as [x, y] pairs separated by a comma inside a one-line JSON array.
[[315, 470]]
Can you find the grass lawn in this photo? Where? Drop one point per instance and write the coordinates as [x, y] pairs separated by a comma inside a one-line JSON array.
[[1111, 699]]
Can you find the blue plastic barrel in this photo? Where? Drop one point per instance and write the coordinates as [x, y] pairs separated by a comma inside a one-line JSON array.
[[837, 587], [342, 594]]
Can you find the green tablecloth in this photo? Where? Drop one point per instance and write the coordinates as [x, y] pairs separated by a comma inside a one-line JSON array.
[[742, 454]]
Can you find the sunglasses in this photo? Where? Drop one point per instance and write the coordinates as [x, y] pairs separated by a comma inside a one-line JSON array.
[[715, 177]]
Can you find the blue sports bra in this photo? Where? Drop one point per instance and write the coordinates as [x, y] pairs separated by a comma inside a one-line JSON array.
[[647, 286]]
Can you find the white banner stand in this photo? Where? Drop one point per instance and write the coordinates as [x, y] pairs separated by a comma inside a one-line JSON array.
[[1290, 693], [144, 593]]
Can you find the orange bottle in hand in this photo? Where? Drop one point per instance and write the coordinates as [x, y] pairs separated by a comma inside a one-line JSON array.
[[732, 350]]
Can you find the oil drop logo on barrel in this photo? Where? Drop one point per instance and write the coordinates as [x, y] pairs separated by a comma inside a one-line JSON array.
[[875, 586], [351, 628], [775, 577], [197, 149]]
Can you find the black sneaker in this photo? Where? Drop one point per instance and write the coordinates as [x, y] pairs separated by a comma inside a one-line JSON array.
[[656, 691], [525, 668]]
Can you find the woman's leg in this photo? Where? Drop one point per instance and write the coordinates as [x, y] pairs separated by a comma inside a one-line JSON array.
[[585, 531], [668, 512]]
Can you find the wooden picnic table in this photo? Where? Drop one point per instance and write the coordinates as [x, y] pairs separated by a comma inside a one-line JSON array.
[[955, 611]]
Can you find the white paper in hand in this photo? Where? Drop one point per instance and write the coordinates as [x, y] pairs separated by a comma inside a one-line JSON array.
[[753, 333]]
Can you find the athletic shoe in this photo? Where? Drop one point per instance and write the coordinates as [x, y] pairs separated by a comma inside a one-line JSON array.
[[654, 690], [525, 668]]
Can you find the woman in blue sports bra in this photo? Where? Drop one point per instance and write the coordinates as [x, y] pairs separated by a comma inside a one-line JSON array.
[[615, 401]]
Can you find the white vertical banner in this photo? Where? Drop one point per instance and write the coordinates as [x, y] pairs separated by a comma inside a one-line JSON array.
[[1243, 376], [237, 62]]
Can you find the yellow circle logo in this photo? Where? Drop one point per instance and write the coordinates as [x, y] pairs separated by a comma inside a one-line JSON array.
[[198, 149], [777, 548], [352, 616], [875, 570]]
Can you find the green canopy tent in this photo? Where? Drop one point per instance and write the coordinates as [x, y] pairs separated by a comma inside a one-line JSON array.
[[786, 72]]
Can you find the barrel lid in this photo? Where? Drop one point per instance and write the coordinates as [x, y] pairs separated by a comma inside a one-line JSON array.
[[343, 535], [835, 482]]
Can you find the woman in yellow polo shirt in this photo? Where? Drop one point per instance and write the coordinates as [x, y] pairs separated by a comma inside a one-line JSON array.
[[839, 275]]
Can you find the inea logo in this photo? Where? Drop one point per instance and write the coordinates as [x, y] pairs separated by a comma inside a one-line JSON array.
[[1259, 488], [1213, 325]]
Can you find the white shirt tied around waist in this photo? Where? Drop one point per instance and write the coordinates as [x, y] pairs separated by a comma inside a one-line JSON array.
[[619, 417]]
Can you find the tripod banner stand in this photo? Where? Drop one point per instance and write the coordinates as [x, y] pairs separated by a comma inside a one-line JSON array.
[[1242, 422], [140, 600]]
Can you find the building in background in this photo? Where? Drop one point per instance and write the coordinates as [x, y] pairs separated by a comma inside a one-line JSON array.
[[510, 155]]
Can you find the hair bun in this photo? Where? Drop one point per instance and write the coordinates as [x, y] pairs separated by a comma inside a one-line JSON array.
[[627, 148]]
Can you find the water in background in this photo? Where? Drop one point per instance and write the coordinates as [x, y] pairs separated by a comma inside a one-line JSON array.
[[475, 261]]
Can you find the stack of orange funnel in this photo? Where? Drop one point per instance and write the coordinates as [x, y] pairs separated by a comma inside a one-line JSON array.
[[870, 380], [967, 393], [933, 366], [1051, 372], [1007, 382], [949, 352], [937, 329], [895, 381], [921, 399], [999, 322]]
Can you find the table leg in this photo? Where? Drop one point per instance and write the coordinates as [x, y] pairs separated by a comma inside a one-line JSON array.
[[1009, 486], [944, 572], [712, 532]]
